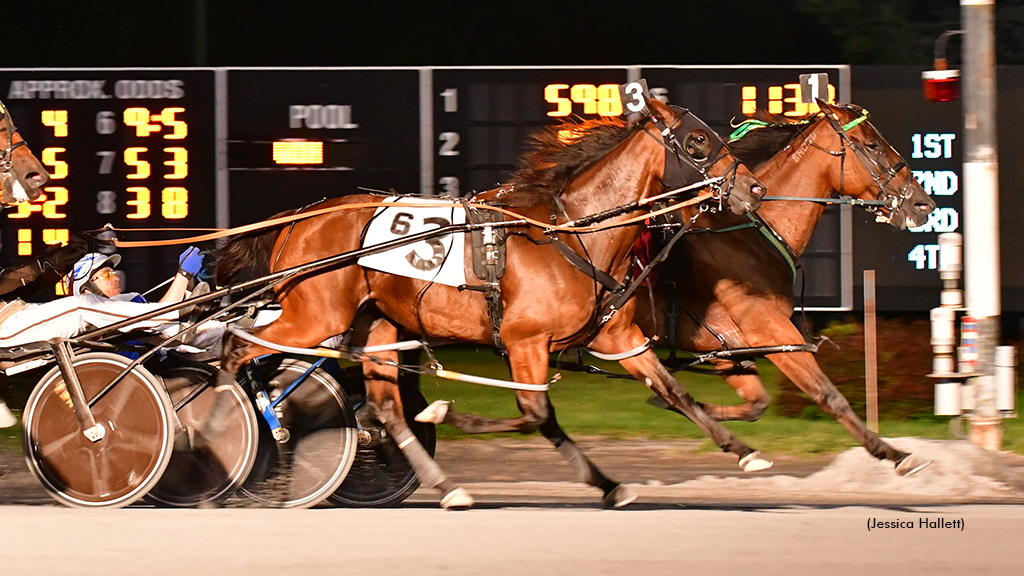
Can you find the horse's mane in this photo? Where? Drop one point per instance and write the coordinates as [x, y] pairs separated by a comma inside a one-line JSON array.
[[767, 135], [556, 154], [247, 256]]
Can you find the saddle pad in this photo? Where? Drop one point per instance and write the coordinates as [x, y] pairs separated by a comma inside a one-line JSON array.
[[440, 260]]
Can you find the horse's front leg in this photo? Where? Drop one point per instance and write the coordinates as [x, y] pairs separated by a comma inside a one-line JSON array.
[[529, 363], [384, 399], [647, 368], [803, 370]]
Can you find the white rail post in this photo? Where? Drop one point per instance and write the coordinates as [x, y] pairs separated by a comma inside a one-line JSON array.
[[981, 211]]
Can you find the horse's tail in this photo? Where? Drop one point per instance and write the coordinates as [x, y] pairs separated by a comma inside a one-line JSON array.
[[247, 256]]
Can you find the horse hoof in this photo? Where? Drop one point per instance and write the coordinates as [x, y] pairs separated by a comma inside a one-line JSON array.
[[457, 499], [755, 462], [619, 497], [910, 465], [7, 418], [434, 413]]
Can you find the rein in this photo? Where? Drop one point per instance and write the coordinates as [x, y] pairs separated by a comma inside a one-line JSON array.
[[569, 227]]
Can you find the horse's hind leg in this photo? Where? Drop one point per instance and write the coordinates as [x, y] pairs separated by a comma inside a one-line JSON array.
[[804, 371], [749, 387], [383, 396], [529, 363]]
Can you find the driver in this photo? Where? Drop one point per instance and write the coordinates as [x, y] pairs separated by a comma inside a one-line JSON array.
[[89, 306]]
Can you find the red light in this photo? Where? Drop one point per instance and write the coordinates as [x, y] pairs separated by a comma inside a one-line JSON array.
[[941, 85]]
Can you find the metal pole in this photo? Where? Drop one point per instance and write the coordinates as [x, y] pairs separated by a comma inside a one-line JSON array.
[[981, 210], [870, 352]]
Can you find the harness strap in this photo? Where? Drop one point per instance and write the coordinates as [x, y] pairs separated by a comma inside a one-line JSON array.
[[777, 242], [584, 266], [623, 355]]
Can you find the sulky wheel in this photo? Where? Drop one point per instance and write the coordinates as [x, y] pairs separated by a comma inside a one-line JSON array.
[[381, 475], [321, 445], [121, 467], [206, 466]]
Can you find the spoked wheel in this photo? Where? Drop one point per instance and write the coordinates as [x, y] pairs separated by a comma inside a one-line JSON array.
[[321, 445], [381, 475], [208, 463], [127, 462]]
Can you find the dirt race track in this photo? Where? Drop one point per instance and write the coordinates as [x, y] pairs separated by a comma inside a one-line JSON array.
[[669, 472]]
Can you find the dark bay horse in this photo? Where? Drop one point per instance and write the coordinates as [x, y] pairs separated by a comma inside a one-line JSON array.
[[22, 177], [576, 170], [739, 284]]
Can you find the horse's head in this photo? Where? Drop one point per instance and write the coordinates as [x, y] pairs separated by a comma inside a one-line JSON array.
[[700, 154], [877, 171], [23, 175]]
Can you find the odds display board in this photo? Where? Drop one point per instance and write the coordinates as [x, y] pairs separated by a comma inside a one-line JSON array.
[[198, 148], [132, 148]]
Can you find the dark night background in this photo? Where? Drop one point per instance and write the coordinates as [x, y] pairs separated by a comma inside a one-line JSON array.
[[46, 33]]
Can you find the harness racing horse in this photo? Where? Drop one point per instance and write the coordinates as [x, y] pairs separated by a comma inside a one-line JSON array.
[[22, 177], [737, 286], [575, 171]]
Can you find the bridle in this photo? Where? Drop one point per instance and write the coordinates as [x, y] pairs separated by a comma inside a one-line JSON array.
[[891, 201], [682, 167], [7, 155]]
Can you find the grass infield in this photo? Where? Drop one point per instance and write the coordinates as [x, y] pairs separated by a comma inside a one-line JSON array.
[[595, 405]]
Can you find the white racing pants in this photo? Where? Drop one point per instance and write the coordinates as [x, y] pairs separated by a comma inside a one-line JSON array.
[[73, 315]]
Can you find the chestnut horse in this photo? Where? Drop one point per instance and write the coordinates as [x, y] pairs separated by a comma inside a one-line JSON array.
[[549, 304], [23, 174], [738, 285], [23, 177]]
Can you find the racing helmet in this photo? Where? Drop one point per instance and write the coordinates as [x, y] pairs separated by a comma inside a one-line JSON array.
[[80, 278]]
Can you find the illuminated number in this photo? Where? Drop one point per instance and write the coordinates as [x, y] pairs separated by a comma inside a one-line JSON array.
[[179, 163], [131, 158], [749, 96], [451, 185], [46, 204], [59, 168], [437, 258], [59, 198], [400, 225], [174, 203], [138, 118], [451, 100], [608, 101], [799, 108], [451, 140], [585, 94], [563, 106], [106, 202], [53, 236], [141, 202], [180, 128], [636, 91], [58, 120], [106, 161], [25, 209], [924, 255], [105, 122], [775, 99], [24, 242]]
